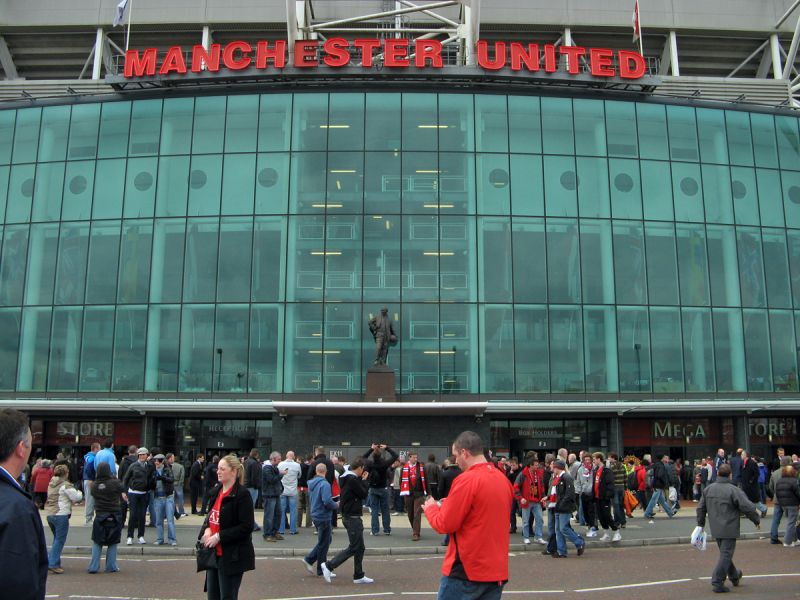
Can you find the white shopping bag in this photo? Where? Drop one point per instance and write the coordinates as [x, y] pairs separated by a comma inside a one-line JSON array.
[[698, 539]]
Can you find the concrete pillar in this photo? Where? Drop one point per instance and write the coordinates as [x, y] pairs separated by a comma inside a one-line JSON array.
[[615, 439], [741, 433]]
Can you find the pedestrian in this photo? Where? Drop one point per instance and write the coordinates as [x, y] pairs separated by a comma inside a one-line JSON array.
[[137, 482], [107, 528], [398, 503], [603, 491], [125, 464], [252, 477], [736, 464], [209, 482], [290, 476], [41, 479], [196, 473], [562, 502], [414, 487], [330, 474], [61, 495], [22, 543], [660, 486], [303, 503], [271, 488], [777, 511], [379, 468], [432, 474], [106, 455], [749, 481], [513, 470], [620, 480], [475, 513], [229, 529], [723, 503], [450, 471], [163, 486], [787, 495], [529, 490], [179, 476], [88, 478], [322, 509], [354, 489], [583, 493]]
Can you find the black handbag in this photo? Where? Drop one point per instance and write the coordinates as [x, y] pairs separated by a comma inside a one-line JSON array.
[[206, 557]]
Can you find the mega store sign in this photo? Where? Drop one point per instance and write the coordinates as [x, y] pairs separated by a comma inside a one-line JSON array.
[[394, 53]]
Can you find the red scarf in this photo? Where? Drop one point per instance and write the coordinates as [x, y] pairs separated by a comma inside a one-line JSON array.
[[597, 476], [408, 479], [554, 488]]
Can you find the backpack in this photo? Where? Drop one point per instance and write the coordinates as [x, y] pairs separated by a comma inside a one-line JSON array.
[[674, 478], [633, 481]]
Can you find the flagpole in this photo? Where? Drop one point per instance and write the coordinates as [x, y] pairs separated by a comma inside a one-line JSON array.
[[130, 15], [638, 14]]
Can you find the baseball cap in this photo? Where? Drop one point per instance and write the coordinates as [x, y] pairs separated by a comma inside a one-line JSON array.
[[559, 464], [159, 457], [142, 450]]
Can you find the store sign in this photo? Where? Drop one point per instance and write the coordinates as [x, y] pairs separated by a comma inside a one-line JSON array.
[[679, 430], [95, 430], [399, 53], [773, 429]]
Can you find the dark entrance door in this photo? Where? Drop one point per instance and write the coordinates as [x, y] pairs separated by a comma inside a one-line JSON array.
[[521, 446]]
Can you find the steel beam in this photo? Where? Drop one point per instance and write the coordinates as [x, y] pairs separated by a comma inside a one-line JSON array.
[[775, 46], [787, 13], [666, 57], [673, 54], [790, 56], [7, 61], [381, 15], [752, 55], [97, 67], [430, 13]]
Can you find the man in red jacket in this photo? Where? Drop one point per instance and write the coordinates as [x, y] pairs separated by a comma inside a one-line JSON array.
[[475, 514]]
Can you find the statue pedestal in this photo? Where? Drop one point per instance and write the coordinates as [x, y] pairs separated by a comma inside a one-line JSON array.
[[380, 384]]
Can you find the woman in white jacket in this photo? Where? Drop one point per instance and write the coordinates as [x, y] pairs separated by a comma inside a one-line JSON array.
[[61, 495]]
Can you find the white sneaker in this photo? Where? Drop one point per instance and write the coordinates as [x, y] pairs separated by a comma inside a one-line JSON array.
[[651, 522], [142, 540], [591, 533], [540, 541], [326, 572], [129, 542], [364, 579], [605, 537], [526, 541], [617, 536], [309, 568]]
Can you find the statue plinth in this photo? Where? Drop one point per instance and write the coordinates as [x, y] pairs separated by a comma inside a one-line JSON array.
[[380, 384]]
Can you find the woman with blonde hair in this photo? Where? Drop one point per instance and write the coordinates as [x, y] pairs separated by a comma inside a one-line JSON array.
[[61, 495], [228, 528]]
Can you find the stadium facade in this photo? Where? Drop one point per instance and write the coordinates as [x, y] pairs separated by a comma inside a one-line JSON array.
[[591, 248]]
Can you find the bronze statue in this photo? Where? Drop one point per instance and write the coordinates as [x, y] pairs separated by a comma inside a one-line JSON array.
[[384, 335]]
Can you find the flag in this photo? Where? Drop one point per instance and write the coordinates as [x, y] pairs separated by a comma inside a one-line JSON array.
[[119, 16], [637, 31]]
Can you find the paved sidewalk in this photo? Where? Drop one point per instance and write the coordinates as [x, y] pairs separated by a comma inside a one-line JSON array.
[[637, 533]]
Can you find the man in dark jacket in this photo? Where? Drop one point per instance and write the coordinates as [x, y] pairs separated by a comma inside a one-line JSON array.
[[321, 458], [124, 465], [378, 480], [209, 483], [23, 553], [196, 482], [562, 501], [736, 467], [163, 486], [252, 478], [354, 489], [450, 471], [723, 502], [750, 485], [660, 487], [603, 491], [271, 488], [137, 484]]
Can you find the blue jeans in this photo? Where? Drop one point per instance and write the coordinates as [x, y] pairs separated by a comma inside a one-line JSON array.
[[658, 498], [777, 515], [379, 501], [111, 558], [460, 589], [288, 504], [272, 515], [59, 525], [536, 509], [179, 510], [619, 507], [319, 553], [164, 507], [551, 531], [564, 532]]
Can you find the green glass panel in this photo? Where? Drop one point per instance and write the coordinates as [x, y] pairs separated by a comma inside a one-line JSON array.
[[662, 263], [305, 258], [751, 267], [527, 193], [274, 122], [563, 261], [771, 199], [652, 122], [566, 349], [266, 348], [346, 122], [626, 195], [745, 196], [163, 347], [109, 187], [134, 263], [491, 123], [205, 184], [341, 359], [345, 187], [41, 267], [790, 181], [53, 133], [633, 347], [238, 181], [7, 119], [788, 142], [722, 266], [48, 191], [456, 182], [590, 127], [497, 348], [272, 183], [421, 171], [145, 128], [209, 125], [493, 184], [692, 264], [712, 136], [130, 335], [176, 126], [593, 200], [457, 123], [197, 357], [173, 186], [765, 146], [343, 258], [757, 350], [665, 331], [20, 193], [140, 187], [776, 268], [657, 190], [230, 347], [524, 124], [65, 348], [382, 182], [629, 262], [235, 255], [115, 121], [101, 277], [9, 348], [621, 129], [78, 191], [310, 122], [241, 135], [303, 348], [420, 276], [529, 256], [199, 273], [26, 135], [459, 349], [682, 133], [34, 349], [793, 239], [457, 262], [308, 182], [382, 122], [717, 194], [600, 349], [166, 275], [420, 122], [97, 349], [597, 261], [382, 258], [688, 190], [557, 127], [12, 265], [560, 186], [494, 268], [740, 139], [783, 349], [73, 248], [698, 349], [4, 173]]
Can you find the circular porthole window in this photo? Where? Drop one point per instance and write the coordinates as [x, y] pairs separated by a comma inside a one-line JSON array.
[[77, 184], [27, 188], [689, 186], [143, 181], [498, 178], [569, 180], [623, 182], [738, 189], [794, 194], [267, 177], [197, 179]]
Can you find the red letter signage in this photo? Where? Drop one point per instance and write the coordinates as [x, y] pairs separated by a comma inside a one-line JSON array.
[[138, 67]]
